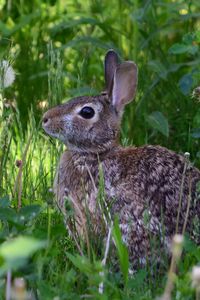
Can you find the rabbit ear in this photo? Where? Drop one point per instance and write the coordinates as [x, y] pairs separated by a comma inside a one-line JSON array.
[[111, 62], [124, 85]]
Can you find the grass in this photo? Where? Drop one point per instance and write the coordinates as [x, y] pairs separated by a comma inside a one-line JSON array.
[[57, 52], [48, 260]]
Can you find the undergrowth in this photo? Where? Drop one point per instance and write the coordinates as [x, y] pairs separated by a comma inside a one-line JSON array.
[[36, 246], [57, 52]]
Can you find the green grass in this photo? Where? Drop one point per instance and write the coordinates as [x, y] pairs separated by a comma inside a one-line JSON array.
[[51, 264], [57, 51]]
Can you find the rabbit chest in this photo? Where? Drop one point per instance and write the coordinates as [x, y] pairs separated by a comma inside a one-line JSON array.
[[76, 182]]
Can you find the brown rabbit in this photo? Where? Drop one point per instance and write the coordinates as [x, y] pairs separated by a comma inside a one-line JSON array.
[[149, 180]]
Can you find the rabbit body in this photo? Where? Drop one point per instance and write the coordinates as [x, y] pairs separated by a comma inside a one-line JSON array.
[[144, 186], [151, 186]]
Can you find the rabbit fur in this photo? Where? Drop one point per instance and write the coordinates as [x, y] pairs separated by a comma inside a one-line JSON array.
[[138, 181]]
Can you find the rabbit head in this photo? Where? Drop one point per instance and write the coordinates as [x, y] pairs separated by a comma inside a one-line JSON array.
[[92, 123]]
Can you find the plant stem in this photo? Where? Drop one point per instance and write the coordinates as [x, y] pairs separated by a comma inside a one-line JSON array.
[[8, 285], [181, 192]]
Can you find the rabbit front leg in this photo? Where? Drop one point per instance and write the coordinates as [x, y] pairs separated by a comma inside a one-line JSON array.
[[76, 183]]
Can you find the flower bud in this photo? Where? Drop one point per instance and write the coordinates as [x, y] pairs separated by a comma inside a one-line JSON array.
[[18, 163], [177, 245]]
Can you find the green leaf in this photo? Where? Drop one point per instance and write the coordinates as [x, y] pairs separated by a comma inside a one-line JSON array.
[[185, 84], [20, 248], [195, 133], [26, 213], [84, 264], [183, 48], [87, 40], [2, 3], [4, 201], [73, 23], [158, 121], [121, 250], [137, 281], [80, 22], [29, 212], [8, 214], [158, 68], [81, 262], [197, 36], [189, 38], [138, 14], [23, 21]]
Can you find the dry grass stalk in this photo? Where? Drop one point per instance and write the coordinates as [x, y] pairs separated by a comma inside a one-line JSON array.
[[195, 276], [188, 205], [187, 155], [8, 285], [18, 182], [177, 247]]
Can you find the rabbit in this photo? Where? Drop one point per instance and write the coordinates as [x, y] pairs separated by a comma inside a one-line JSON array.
[[139, 181]]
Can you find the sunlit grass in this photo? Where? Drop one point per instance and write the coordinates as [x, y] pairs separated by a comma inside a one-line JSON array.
[[57, 52]]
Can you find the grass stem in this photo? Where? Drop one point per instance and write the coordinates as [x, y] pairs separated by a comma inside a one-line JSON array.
[[182, 189], [8, 285]]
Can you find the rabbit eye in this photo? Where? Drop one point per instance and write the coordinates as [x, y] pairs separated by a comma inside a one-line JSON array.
[[87, 112]]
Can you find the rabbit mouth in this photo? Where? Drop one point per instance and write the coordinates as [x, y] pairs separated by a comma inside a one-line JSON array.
[[54, 132]]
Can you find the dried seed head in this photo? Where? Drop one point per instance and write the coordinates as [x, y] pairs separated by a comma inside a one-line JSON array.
[[7, 74], [196, 277], [19, 282], [177, 245], [187, 155], [196, 93], [42, 104], [178, 239], [18, 163], [19, 291]]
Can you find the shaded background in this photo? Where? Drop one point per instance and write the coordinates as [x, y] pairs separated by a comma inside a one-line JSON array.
[[57, 50]]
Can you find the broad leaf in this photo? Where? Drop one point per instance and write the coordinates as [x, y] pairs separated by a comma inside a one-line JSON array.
[[195, 133], [29, 212], [8, 214], [4, 201], [183, 48], [158, 121], [20, 248], [185, 84]]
